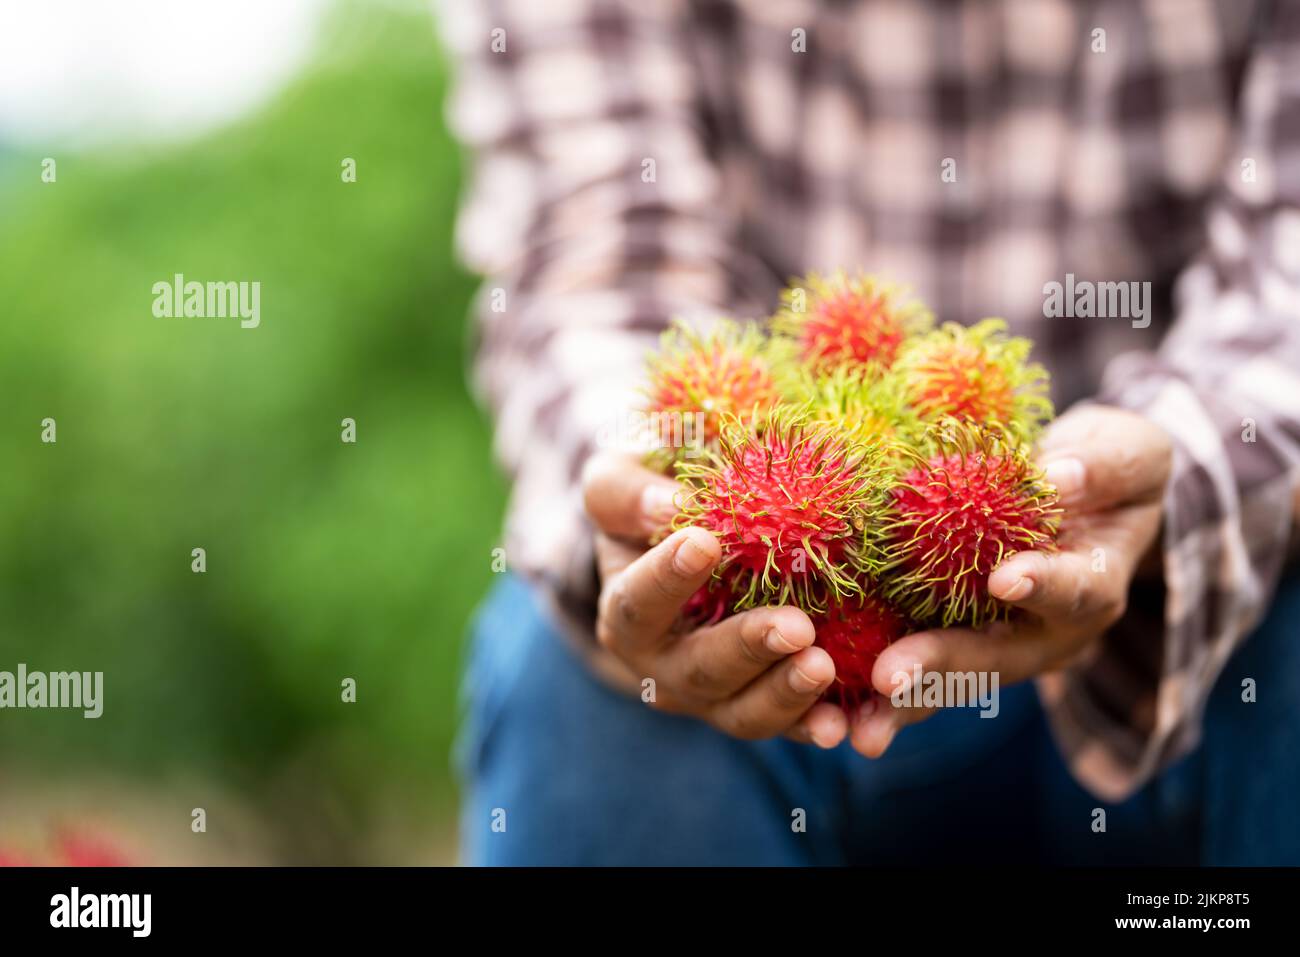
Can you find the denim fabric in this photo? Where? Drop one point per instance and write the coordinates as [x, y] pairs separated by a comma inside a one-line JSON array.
[[558, 770]]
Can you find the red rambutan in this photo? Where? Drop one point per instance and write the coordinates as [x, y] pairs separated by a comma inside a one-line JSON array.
[[847, 320], [78, 849], [789, 499], [72, 849], [854, 633], [711, 602], [976, 500], [858, 464]]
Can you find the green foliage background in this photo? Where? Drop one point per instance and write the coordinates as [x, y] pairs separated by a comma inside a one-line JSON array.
[[325, 560]]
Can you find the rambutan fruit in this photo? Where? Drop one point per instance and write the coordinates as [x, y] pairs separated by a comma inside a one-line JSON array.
[[72, 849], [978, 374], [790, 500], [975, 500], [869, 409], [712, 601], [697, 378], [88, 850], [847, 320], [854, 632]]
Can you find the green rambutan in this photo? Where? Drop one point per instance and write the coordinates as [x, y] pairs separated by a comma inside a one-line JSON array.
[[847, 320], [702, 377], [978, 374], [854, 632], [869, 409], [789, 499], [975, 500]]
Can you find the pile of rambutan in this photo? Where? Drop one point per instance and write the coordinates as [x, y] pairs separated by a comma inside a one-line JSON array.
[[856, 461]]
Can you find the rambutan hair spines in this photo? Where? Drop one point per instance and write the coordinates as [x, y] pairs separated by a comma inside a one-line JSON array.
[[697, 378], [975, 500], [791, 500], [869, 408], [842, 319], [978, 374], [854, 632]]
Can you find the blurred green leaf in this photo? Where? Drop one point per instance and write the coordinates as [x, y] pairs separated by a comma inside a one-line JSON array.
[[325, 560]]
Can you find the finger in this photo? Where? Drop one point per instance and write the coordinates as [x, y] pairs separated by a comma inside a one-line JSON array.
[[1058, 586], [625, 499], [772, 704], [614, 555], [718, 661], [640, 603], [1003, 654], [970, 666], [824, 725], [877, 723], [1098, 457]]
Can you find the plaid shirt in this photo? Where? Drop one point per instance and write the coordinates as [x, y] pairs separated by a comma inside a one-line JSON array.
[[638, 160]]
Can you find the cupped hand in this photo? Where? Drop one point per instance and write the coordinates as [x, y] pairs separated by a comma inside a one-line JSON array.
[[753, 675], [1110, 468]]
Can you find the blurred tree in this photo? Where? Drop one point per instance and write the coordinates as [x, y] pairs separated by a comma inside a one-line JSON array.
[[324, 560]]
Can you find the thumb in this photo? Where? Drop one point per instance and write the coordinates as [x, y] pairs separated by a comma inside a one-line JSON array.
[[1100, 457], [626, 500]]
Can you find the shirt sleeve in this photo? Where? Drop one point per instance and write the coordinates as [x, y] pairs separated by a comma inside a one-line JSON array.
[[594, 212], [1225, 385]]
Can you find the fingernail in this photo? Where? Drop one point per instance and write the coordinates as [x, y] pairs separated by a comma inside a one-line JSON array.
[[1067, 476], [801, 682], [658, 504], [1022, 589], [777, 643], [822, 740], [690, 559]]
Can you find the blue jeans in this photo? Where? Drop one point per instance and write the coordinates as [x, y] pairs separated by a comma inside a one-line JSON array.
[[560, 770]]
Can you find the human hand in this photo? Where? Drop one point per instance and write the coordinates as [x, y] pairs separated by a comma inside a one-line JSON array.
[[753, 675], [1110, 468]]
